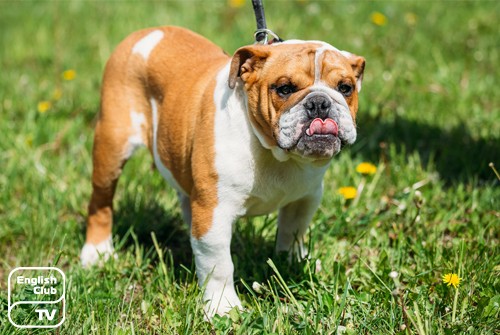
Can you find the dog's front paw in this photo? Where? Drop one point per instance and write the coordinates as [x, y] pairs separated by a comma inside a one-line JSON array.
[[93, 254], [221, 303]]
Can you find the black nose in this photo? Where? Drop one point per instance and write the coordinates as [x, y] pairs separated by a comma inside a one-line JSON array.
[[318, 106]]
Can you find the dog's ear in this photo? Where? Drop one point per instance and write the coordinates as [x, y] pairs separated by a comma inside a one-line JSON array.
[[358, 66], [246, 62]]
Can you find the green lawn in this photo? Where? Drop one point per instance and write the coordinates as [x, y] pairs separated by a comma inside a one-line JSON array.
[[429, 120]]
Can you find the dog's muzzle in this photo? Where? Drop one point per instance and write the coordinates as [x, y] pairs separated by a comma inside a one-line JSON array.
[[317, 127]]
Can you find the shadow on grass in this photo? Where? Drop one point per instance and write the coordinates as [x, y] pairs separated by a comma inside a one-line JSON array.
[[456, 154], [144, 216], [250, 247]]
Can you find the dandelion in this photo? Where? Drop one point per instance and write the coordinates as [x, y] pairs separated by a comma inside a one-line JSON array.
[[236, 3], [452, 279], [366, 168], [44, 106], [69, 74], [378, 19], [348, 192]]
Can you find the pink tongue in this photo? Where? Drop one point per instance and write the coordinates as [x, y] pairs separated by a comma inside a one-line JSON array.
[[321, 127]]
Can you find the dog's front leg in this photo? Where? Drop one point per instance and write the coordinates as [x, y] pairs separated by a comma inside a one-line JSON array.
[[293, 221], [211, 241]]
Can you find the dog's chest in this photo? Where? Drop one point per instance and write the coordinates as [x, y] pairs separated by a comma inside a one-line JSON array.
[[277, 184], [262, 184], [253, 178]]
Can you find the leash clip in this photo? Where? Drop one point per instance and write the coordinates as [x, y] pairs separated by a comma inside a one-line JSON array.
[[261, 36]]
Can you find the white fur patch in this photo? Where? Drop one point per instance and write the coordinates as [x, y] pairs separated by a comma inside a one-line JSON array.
[[317, 65], [324, 45], [233, 138], [317, 62], [214, 268], [146, 44], [159, 165], [135, 140], [97, 253]]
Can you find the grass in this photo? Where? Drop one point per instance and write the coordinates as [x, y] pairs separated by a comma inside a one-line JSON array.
[[428, 120]]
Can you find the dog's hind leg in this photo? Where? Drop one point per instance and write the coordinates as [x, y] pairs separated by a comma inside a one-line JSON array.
[[120, 129]]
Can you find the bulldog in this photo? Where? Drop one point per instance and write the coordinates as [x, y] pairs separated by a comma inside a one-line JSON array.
[[235, 136]]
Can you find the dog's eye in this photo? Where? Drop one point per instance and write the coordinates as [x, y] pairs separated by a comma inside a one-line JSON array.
[[285, 90], [345, 89]]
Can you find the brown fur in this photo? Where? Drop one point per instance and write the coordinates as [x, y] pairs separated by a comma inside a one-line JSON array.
[[175, 77]]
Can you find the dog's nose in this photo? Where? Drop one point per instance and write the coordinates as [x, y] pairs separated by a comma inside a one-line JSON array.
[[318, 106]]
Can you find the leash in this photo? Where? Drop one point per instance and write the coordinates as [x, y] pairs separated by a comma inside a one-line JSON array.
[[262, 33]]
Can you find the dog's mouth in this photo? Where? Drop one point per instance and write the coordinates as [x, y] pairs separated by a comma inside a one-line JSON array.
[[320, 127], [314, 139], [319, 140]]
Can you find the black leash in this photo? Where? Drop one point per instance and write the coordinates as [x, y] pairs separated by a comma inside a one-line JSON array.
[[262, 33]]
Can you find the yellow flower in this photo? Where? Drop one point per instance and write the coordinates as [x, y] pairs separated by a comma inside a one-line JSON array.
[[378, 18], [452, 279], [69, 74], [348, 192], [366, 168], [44, 106], [236, 3]]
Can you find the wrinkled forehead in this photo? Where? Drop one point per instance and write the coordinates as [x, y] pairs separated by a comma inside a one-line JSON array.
[[312, 58]]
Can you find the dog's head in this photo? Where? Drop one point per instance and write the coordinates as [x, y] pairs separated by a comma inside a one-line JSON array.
[[302, 96]]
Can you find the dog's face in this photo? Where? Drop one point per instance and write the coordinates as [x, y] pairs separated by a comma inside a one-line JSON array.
[[302, 96]]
